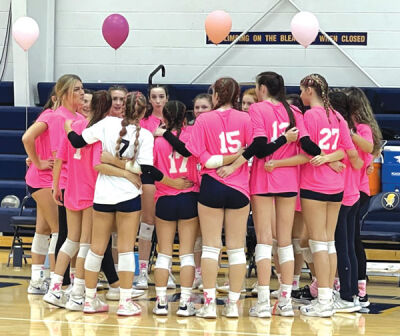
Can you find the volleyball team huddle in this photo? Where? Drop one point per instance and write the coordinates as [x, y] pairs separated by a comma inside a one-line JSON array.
[[113, 164]]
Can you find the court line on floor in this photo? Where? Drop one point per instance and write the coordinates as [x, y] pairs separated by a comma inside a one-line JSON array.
[[223, 332]]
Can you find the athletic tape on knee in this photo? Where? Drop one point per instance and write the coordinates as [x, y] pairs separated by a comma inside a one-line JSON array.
[[40, 244], [317, 246], [263, 251], [126, 262], [307, 255], [198, 244], [296, 245], [93, 262], [53, 243], [236, 256], [209, 252], [187, 260], [285, 254], [331, 247], [114, 240], [83, 250], [274, 247], [163, 261], [146, 231], [70, 248]]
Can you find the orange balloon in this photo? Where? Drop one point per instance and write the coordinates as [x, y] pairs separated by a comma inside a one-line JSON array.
[[218, 26]]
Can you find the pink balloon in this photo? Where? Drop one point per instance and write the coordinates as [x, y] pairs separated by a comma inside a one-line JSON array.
[[115, 30], [25, 32], [218, 26], [305, 28]]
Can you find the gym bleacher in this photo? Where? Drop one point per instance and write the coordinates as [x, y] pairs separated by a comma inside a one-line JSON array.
[[13, 119]]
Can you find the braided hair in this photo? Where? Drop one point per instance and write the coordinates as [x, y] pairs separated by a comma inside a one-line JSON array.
[[228, 92], [174, 113], [320, 85], [276, 89], [136, 104]]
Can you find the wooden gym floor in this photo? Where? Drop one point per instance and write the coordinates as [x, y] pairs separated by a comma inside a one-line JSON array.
[[22, 314]]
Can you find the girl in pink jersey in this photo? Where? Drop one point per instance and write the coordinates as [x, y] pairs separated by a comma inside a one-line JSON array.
[[367, 137], [202, 103], [158, 96], [39, 179], [321, 188], [69, 94], [271, 117], [175, 208]]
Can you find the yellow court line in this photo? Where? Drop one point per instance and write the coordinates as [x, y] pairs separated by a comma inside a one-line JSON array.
[[226, 332], [390, 310]]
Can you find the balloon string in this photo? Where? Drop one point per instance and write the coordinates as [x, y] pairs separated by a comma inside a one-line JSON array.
[[115, 61], [26, 107]]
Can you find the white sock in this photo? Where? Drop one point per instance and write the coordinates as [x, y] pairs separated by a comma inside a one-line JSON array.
[[324, 295], [72, 271], [186, 292], [90, 293], [296, 282], [209, 295], [263, 294], [143, 264], [51, 274], [285, 292], [116, 267], [37, 272], [233, 297], [161, 291], [56, 282], [78, 288], [113, 289], [124, 295]]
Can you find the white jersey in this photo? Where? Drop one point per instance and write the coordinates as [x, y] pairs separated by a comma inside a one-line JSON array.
[[113, 189]]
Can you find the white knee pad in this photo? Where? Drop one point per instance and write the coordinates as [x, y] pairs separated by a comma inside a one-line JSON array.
[[263, 251], [236, 256], [307, 255], [40, 244], [187, 260], [317, 246], [296, 246], [274, 247], [285, 254], [331, 247], [126, 262], [83, 250], [114, 240], [198, 244], [146, 231], [163, 261], [209, 252], [93, 262], [70, 248], [53, 243]]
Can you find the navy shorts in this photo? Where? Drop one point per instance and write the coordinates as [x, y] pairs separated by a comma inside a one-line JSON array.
[[282, 194], [316, 196], [146, 179], [31, 190], [174, 208], [131, 205], [215, 194]]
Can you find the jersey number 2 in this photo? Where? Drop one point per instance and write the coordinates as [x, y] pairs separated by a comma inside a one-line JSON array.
[[328, 133]]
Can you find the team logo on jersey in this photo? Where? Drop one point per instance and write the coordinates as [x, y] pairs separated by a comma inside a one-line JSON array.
[[390, 200], [397, 158]]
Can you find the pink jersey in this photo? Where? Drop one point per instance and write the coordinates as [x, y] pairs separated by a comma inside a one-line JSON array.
[[222, 133], [36, 178], [151, 123], [173, 165], [365, 131], [57, 134], [330, 135], [270, 120], [351, 192]]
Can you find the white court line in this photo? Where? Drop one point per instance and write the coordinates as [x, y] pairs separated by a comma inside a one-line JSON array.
[[227, 332]]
